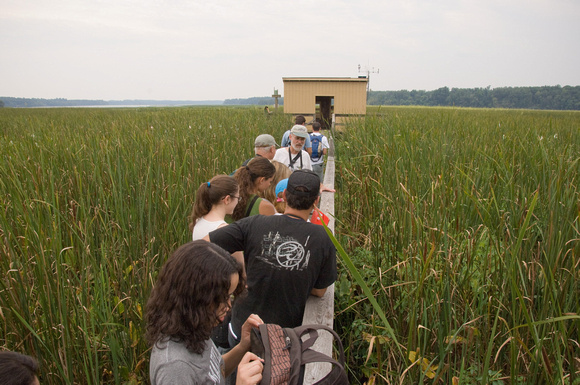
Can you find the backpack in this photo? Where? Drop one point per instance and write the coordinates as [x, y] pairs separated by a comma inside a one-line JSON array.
[[285, 354], [316, 147]]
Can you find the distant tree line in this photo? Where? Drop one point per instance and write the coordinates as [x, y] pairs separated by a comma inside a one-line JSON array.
[[541, 98], [256, 101], [61, 102]]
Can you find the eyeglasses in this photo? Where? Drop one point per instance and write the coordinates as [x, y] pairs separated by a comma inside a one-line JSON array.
[[236, 197]]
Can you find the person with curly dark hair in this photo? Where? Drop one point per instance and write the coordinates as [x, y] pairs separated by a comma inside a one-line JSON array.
[[192, 295], [18, 369]]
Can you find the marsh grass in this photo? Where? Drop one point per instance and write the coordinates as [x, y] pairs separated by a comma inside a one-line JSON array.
[[92, 203], [465, 224]]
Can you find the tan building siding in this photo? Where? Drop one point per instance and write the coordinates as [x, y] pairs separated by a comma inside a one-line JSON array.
[[349, 95]]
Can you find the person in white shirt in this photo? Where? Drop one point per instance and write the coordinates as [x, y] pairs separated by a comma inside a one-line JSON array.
[[294, 155], [301, 120], [213, 200]]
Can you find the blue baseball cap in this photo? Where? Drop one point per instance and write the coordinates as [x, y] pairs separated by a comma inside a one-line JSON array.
[[281, 186]]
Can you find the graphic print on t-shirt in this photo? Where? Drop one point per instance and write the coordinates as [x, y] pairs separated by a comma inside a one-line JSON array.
[[284, 252], [215, 371]]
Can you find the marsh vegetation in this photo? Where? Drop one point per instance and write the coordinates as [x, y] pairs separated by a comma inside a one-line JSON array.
[[464, 225]]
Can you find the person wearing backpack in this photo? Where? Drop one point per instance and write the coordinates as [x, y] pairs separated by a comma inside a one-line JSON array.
[[320, 148], [192, 295]]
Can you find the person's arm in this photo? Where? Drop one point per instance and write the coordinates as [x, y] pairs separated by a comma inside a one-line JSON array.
[[238, 255], [267, 208], [326, 188], [285, 137], [229, 237], [308, 145], [318, 292], [328, 274], [325, 145], [234, 356]]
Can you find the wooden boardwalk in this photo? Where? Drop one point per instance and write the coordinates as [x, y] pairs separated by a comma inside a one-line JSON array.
[[321, 310]]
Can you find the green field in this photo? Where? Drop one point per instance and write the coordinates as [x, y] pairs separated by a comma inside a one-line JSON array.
[[464, 223]]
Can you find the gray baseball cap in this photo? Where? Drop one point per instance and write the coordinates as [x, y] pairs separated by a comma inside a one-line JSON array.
[[265, 140], [299, 130]]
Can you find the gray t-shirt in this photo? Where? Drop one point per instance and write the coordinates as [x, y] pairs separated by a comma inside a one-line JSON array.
[[172, 363]]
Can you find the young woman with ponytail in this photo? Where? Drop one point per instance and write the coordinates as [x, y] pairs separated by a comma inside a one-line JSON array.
[[255, 177], [213, 201]]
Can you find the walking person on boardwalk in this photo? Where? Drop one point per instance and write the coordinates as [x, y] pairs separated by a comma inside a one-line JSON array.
[[320, 148]]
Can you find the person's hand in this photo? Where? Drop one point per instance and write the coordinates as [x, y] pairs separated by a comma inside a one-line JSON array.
[[253, 321], [325, 188], [249, 370]]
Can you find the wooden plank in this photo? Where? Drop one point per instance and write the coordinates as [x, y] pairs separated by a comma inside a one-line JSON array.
[[321, 310]]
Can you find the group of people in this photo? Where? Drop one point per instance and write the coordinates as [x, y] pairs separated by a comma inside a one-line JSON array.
[[301, 150], [254, 258]]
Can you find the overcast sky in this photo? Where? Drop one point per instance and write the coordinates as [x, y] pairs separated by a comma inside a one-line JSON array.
[[203, 50]]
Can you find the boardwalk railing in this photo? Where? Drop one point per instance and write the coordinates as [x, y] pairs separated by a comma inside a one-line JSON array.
[[321, 310]]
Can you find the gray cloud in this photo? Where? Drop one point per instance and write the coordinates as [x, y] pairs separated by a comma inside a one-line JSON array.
[[214, 50]]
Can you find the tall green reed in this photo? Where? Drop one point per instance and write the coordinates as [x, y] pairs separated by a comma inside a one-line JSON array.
[[92, 202], [469, 219]]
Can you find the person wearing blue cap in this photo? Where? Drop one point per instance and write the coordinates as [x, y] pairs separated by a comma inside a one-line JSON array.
[[280, 204]]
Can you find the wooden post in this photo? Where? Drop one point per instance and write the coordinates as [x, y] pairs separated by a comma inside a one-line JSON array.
[[276, 96]]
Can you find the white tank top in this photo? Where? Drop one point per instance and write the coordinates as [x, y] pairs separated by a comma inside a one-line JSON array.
[[203, 228]]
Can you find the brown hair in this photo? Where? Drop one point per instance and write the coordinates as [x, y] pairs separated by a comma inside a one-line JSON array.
[[246, 176], [300, 120], [193, 284], [209, 194], [280, 206], [282, 172]]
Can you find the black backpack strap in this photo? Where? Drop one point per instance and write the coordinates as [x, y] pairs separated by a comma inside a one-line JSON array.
[[292, 161], [336, 376], [312, 331], [251, 205]]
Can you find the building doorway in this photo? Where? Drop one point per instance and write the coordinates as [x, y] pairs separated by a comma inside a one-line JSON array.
[[324, 111]]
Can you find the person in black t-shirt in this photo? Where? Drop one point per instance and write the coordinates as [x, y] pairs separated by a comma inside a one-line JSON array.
[[286, 258]]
